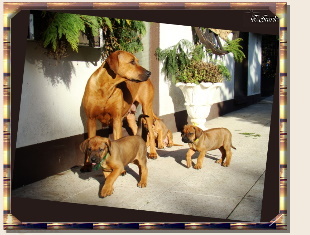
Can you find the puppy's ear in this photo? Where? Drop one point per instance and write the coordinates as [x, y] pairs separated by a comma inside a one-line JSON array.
[[108, 143], [184, 129], [84, 145], [198, 132], [112, 61]]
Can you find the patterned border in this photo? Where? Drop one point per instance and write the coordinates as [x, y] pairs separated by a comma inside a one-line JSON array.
[[279, 222]]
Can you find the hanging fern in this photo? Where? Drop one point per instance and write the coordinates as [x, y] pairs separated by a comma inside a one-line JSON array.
[[176, 57], [183, 62], [125, 35], [92, 22], [235, 48], [62, 30], [63, 26]]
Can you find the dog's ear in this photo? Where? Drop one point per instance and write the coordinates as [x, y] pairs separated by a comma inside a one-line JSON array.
[[198, 132], [108, 143], [112, 61], [185, 127], [84, 145]]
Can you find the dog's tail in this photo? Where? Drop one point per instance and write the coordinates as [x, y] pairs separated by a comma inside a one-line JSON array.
[[139, 132], [177, 145]]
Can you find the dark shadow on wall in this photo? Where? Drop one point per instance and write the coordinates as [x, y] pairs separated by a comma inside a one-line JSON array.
[[60, 71]]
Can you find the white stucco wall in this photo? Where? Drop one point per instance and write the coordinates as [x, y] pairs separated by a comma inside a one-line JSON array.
[[52, 94], [255, 64], [171, 99]]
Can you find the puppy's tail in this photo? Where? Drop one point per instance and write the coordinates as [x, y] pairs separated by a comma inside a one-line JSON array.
[[139, 132], [177, 145]]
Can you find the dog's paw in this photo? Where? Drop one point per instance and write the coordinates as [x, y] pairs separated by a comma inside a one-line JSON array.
[[189, 165], [152, 155], [169, 145], [142, 184], [225, 164], [86, 168], [161, 146], [218, 161], [106, 192], [197, 166]]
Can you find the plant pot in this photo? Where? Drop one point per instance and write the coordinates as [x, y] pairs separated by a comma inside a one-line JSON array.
[[198, 101]]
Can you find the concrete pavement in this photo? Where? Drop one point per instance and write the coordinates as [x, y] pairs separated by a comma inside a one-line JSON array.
[[233, 192]]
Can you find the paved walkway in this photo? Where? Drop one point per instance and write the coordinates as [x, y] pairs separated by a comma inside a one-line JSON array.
[[233, 193]]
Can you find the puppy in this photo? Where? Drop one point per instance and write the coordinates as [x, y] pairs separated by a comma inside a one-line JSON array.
[[203, 141], [163, 136], [113, 156]]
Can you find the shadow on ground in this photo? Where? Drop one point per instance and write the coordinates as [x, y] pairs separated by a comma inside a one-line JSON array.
[[180, 155], [98, 175]]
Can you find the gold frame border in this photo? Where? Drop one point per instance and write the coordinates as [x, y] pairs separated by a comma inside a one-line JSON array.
[[280, 9]]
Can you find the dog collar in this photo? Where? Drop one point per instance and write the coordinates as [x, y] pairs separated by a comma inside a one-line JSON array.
[[195, 141], [104, 157], [96, 167]]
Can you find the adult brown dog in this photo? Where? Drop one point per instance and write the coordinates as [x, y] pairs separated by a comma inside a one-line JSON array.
[[163, 136], [113, 156], [203, 141], [110, 93]]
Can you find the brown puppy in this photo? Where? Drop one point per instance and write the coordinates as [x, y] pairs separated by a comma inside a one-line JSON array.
[[113, 156], [163, 136], [203, 141], [110, 93]]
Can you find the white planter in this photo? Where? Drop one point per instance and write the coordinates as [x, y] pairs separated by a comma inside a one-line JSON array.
[[198, 101]]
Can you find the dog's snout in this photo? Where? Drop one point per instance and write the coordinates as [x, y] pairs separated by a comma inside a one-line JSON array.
[[143, 76], [185, 139], [93, 159]]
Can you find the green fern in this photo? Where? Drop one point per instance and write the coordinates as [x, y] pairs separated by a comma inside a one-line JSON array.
[[176, 57], [62, 30], [92, 22], [183, 62], [63, 25], [234, 47], [106, 21]]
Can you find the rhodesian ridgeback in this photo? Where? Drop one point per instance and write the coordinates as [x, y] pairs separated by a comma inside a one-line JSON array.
[[113, 156], [110, 93], [163, 136], [203, 141]]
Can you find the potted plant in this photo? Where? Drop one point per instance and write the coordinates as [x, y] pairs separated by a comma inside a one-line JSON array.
[[187, 66]]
